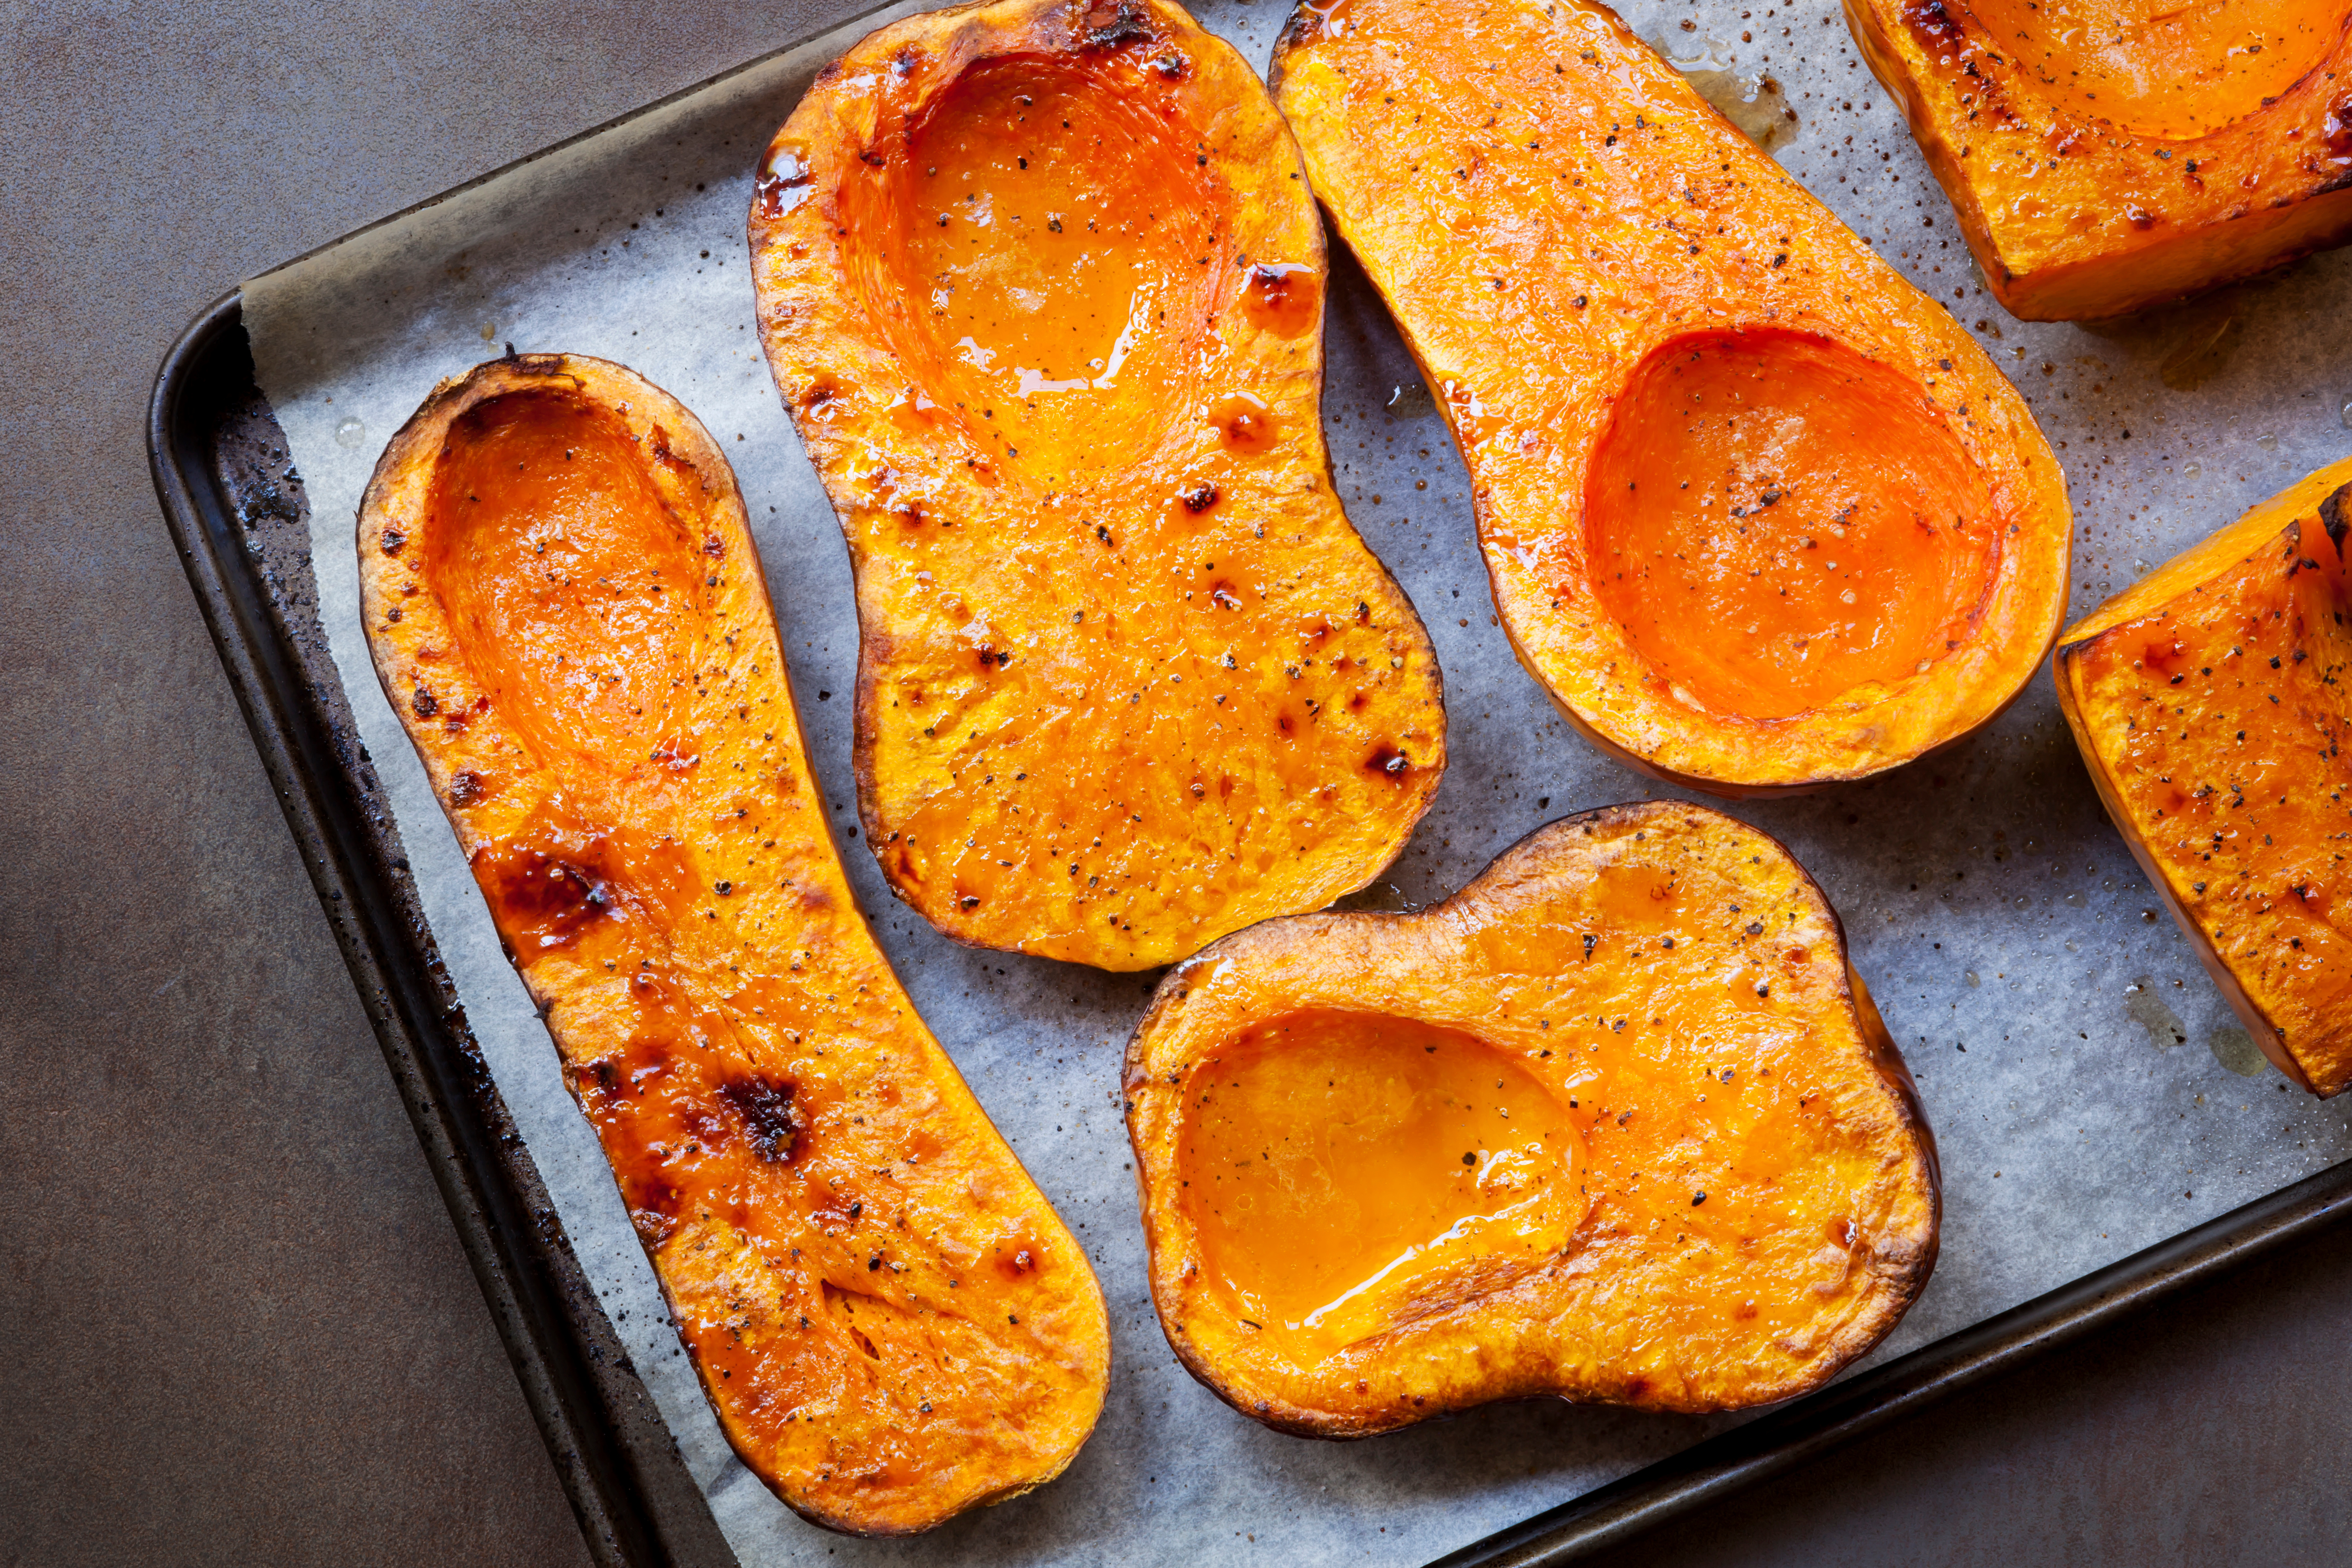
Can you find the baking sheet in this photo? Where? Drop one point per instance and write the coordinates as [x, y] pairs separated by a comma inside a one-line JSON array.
[[2091, 1091]]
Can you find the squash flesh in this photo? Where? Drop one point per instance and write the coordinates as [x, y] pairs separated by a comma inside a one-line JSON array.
[[1336, 1167], [1735, 1193], [1129, 679], [564, 603], [1558, 223], [2213, 719], [1775, 561], [2161, 70], [1060, 233], [2103, 156]]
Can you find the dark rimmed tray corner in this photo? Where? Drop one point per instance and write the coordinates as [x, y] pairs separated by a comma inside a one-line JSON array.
[[236, 511]]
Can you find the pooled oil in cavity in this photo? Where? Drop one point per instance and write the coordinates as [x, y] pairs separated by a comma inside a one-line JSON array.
[[1341, 1169], [1054, 233]]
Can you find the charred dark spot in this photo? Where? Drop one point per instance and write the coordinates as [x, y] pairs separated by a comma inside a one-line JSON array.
[[783, 185], [1110, 28], [653, 1208], [424, 702], [393, 539], [818, 398], [1934, 27], [541, 901], [1306, 25], [1591, 941], [1389, 762], [2335, 131], [466, 787], [1199, 497], [764, 1106], [1173, 67], [905, 62], [1284, 298], [2331, 517], [713, 546]]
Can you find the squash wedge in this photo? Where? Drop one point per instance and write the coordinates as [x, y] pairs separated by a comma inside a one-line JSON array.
[[2107, 157], [2208, 702], [1616, 1122], [1757, 514], [1042, 286], [565, 606]]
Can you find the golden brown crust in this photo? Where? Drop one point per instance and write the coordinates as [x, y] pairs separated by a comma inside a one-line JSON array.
[[1761, 1181], [564, 604]]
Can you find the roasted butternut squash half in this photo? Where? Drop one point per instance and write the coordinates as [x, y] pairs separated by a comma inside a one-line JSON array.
[[2108, 155], [1043, 287], [2209, 702], [565, 606], [1616, 1122], [1758, 514]]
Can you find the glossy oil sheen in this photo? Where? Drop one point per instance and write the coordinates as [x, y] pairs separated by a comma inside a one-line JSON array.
[[1746, 526], [1346, 1171], [890, 1322], [1714, 1186], [2159, 69], [549, 550], [1054, 227], [1559, 224], [1043, 287]]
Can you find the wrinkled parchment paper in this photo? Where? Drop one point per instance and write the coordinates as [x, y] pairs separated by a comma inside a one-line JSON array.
[[2091, 1091]]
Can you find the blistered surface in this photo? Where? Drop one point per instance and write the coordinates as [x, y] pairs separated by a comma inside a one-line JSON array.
[[2085, 1081]]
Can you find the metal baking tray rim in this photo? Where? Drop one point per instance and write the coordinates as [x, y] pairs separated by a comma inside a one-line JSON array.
[[623, 1488]]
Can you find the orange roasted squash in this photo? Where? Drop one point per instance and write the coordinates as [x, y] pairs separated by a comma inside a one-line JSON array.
[[1616, 1122], [1042, 286], [1757, 513], [2108, 155], [566, 608], [2209, 702]]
